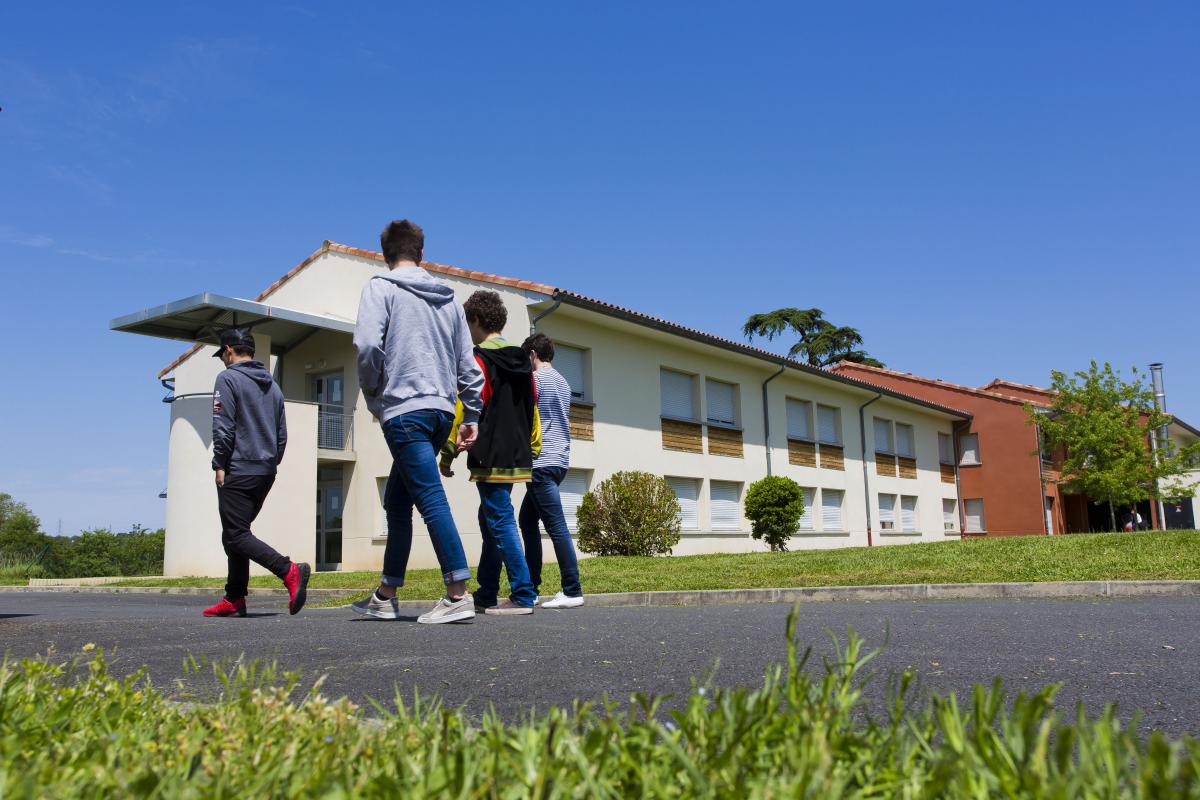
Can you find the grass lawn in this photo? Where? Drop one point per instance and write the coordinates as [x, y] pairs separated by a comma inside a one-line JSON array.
[[1118, 556]]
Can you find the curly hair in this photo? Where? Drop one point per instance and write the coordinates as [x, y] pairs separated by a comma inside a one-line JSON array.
[[486, 309]]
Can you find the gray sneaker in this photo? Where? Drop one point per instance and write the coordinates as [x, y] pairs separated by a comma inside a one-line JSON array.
[[448, 610], [508, 608], [373, 606]]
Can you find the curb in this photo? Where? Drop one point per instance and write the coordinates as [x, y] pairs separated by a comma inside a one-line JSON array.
[[713, 597]]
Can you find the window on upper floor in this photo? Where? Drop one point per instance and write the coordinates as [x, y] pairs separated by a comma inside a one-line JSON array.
[[799, 419], [945, 448], [678, 394], [968, 449], [829, 425], [906, 446], [883, 436], [721, 402], [571, 363]]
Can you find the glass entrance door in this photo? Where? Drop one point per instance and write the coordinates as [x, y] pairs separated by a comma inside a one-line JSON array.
[[328, 392], [331, 501]]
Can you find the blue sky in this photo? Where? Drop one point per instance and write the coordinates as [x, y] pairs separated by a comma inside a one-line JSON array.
[[983, 189]]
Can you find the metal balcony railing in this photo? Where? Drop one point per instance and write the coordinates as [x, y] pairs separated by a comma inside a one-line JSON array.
[[335, 429]]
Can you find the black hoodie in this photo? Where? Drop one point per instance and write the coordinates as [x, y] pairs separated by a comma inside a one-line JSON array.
[[249, 430]]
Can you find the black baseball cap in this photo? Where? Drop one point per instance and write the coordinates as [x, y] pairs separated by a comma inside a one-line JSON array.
[[234, 337]]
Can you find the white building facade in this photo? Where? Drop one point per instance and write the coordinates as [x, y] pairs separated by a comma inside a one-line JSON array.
[[710, 415]]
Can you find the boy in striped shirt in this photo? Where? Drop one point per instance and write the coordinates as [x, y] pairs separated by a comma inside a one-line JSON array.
[[542, 501]]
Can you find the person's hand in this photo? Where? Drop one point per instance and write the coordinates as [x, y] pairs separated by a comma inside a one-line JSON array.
[[444, 468], [466, 436], [220, 476]]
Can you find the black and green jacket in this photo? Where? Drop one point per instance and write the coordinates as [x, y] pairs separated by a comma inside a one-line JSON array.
[[510, 432]]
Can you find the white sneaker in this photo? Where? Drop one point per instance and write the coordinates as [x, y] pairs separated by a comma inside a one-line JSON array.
[[373, 606], [560, 600], [448, 610]]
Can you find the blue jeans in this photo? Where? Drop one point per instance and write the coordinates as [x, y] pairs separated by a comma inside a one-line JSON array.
[[501, 545], [543, 503], [414, 440]]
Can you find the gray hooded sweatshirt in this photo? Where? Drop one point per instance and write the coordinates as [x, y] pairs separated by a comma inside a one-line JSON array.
[[249, 429], [414, 347]]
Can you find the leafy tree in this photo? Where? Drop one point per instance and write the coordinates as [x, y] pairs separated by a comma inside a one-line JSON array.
[[630, 514], [20, 531], [821, 342], [1105, 424], [774, 506]]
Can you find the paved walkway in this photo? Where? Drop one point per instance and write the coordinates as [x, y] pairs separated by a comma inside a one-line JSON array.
[[1138, 652]]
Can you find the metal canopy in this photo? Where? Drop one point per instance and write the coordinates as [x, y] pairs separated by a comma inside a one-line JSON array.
[[202, 318]]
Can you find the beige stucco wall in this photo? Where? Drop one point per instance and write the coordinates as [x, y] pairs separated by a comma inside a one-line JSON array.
[[623, 367]]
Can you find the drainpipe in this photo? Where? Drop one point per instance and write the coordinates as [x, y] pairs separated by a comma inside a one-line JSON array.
[[1160, 403], [1037, 429], [862, 439], [533, 322], [767, 418]]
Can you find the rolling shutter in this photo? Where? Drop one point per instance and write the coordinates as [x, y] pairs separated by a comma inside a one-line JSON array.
[[720, 402], [973, 511], [810, 500], [687, 490], [883, 436], [887, 512], [677, 398], [799, 419], [968, 448], [949, 515], [827, 425], [905, 445], [725, 509], [908, 513], [569, 363], [571, 491], [945, 451], [831, 509]]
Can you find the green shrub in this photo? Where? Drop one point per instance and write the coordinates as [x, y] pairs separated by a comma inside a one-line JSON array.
[[774, 506], [19, 566], [630, 514], [74, 730]]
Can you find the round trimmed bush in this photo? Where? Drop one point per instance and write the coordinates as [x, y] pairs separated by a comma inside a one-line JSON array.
[[630, 514], [774, 506]]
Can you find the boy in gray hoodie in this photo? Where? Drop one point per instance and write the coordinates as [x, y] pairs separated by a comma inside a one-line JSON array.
[[415, 358], [249, 434]]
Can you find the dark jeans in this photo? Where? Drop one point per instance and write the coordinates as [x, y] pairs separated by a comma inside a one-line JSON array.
[[501, 545], [543, 504], [239, 501], [415, 440]]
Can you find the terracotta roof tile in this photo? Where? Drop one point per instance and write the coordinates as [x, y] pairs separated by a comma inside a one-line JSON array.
[[851, 365]]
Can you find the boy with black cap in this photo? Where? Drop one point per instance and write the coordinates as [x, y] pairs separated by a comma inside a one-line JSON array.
[[249, 434]]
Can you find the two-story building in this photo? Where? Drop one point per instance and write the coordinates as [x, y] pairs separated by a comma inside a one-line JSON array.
[[711, 415]]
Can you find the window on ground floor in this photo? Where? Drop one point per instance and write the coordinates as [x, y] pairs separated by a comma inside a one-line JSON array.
[[908, 513], [831, 509], [571, 492], [973, 513], [887, 511], [687, 491], [725, 507], [807, 519], [950, 515]]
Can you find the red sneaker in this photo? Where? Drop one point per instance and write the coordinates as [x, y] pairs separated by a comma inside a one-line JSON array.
[[227, 608], [296, 582]]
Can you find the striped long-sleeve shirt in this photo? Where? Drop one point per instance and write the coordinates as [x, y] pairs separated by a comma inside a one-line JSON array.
[[554, 406]]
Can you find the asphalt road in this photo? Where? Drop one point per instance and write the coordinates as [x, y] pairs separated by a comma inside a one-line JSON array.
[[1138, 653]]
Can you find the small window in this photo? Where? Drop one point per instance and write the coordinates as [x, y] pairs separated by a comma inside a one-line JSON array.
[[829, 425], [678, 395], [883, 436], [973, 512], [721, 403], [831, 509], [809, 515], [949, 514], [968, 449], [908, 513], [887, 512], [687, 491], [570, 363], [571, 491], [945, 448], [799, 419], [725, 506], [905, 443]]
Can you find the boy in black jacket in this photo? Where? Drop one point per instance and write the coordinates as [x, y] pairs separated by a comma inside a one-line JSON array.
[[249, 436]]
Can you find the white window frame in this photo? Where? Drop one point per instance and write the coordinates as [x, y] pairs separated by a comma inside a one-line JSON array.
[[733, 403], [675, 481], [837, 425], [805, 409], [949, 514], [887, 512], [736, 523], [841, 509], [962, 451], [967, 515], [584, 394], [946, 456], [663, 372], [912, 440], [915, 525], [888, 445]]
